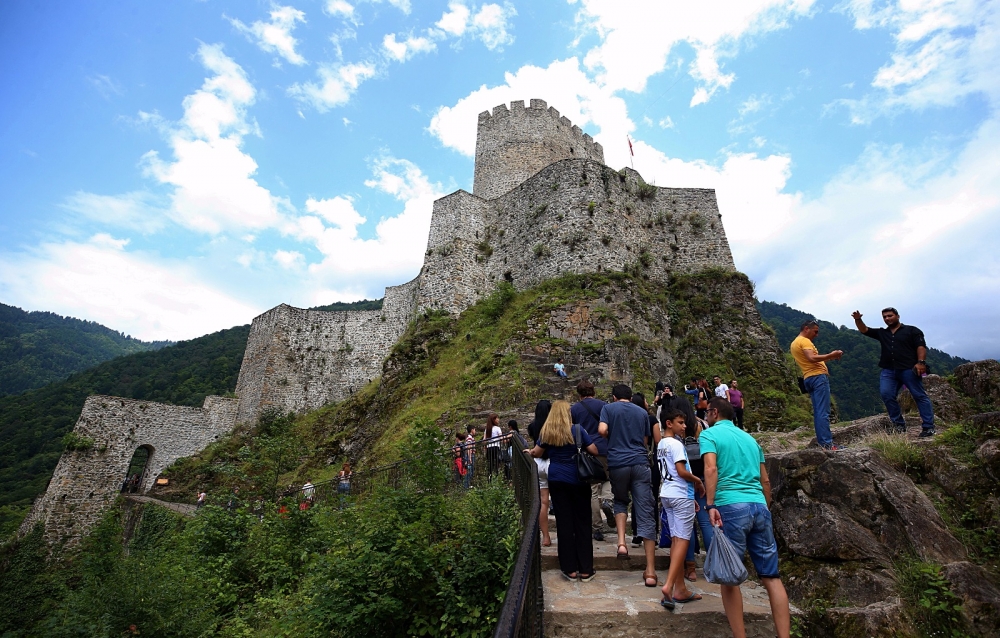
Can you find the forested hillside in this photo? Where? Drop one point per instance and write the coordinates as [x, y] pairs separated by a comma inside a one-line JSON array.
[[37, 348], [853, 379], [33, 423]]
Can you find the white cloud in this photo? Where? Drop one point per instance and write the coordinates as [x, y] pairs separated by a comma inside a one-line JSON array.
[[136, 293], [393, 255], [666, 122], [289, 259], [338, 82], [944, 52], [276, 36], [564, 85], [637, 37], [213, 187], [137, 210], [455, 20], [340, 7], [489, 23], [402, 51], [106, 86]]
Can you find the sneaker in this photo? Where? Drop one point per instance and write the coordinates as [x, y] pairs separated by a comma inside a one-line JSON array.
[[834, 448], [598, 536], [926, 432], [899, 429], [636, 541]]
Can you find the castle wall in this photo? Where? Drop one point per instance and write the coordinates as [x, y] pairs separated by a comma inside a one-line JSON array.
[[514, 144], [86, 482], [454, 276], [304, 359], [574, 216]]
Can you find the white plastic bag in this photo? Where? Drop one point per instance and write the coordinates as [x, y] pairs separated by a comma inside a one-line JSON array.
[[723, 566]]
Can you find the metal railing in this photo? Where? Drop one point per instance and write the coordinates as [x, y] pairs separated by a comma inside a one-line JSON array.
[[521, 613]]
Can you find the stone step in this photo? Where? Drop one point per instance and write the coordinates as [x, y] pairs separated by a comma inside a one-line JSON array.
[[616, 603], [606, 558]]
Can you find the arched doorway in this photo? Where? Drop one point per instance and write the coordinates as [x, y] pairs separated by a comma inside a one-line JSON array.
[[135, 477]]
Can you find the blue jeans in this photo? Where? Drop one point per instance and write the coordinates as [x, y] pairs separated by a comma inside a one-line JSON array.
[[889, 383], [818, 388], [748, 527], [707, 531]]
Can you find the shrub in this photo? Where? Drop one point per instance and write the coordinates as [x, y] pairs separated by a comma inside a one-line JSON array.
[[897, 451], [936, 610], [73, 442], [541, 250]]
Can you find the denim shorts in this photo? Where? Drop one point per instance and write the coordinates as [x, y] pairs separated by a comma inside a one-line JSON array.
[[748, 526]]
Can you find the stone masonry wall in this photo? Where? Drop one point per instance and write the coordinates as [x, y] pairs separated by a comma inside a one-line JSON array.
[[573, 216], [86, 482], [299, 360], [514, 144]]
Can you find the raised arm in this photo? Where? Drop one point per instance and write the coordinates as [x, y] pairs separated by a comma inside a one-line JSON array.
[[862, 328]]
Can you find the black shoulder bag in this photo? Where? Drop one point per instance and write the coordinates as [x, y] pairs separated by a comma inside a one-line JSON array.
[[588, 468]]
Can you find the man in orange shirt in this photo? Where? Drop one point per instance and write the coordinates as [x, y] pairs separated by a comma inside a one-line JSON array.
[[816, 379]]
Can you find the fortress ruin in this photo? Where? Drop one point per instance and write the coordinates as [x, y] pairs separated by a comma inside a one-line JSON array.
[[543, 204]]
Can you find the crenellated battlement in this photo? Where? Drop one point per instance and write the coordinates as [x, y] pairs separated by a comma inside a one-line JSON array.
[[514, 143]]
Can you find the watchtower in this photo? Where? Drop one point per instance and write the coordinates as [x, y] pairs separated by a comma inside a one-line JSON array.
[[514, 144]]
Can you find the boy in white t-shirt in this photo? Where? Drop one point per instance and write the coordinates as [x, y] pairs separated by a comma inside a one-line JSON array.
[[677, 496]]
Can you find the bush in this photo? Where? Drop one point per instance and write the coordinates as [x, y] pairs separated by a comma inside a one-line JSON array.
[[897, 451], [935, 610], [73, 442]]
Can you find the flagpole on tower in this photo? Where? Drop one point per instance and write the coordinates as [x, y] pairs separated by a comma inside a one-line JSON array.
[[631, 152]]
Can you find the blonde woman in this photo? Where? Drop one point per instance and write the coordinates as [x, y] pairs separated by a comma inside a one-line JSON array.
[[571, 498]]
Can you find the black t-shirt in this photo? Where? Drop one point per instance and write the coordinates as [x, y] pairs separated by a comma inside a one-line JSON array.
[[899, 350]]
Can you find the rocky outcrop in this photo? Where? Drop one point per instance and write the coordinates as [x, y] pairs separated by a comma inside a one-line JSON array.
[[981, 381], [980, 598], [851, 505], [949, 405]]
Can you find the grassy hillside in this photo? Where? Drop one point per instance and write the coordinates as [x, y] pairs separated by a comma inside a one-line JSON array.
[[33, 423], [37, 348], [853, 379]]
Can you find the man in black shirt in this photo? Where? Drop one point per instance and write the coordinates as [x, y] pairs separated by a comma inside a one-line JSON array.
[[903, 362]]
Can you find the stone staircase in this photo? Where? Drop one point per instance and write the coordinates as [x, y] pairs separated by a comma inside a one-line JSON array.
[[617, 603]]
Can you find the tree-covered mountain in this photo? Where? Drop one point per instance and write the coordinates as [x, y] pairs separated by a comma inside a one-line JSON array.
[[37, 348], [364, 304], [853, 379], [32, 424]]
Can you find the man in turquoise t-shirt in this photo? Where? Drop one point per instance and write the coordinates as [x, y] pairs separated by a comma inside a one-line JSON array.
[[737, 494]]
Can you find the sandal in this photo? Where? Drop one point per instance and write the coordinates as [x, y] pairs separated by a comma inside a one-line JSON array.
[[689, 599], [650, 578], [689, 570], [667, 602], [622, 555]]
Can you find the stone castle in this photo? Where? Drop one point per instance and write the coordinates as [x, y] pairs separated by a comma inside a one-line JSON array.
[[543, 204]]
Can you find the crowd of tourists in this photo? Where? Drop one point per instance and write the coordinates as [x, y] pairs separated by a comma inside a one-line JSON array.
[[680, 475]]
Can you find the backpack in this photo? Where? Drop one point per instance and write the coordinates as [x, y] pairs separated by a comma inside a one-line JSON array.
[[692, 447]]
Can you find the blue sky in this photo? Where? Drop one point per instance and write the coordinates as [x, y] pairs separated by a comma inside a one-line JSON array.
[[170, 169]]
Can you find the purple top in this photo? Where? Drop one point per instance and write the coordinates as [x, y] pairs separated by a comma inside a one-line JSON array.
[[736, 398]]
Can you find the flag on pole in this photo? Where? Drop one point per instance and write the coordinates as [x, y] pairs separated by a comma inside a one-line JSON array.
[[631, 152]]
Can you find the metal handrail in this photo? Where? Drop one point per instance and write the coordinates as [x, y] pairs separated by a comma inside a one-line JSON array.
[[521, 614]]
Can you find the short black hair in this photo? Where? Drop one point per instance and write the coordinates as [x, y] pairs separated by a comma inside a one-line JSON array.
[[890, 309], [807, 323], [670, 414], [621, 391], [585, 388], [723, 407], [469, 428], [512, 424], [639, 399]]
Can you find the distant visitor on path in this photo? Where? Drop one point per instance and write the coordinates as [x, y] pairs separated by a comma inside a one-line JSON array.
[[560, 368], [721, 389], [200, 503], [736, 398], [816, 379], [587, 412], [542, 409], [903, 362], [738, 494]]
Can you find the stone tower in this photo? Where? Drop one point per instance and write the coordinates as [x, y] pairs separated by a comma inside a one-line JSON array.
[[512, 145]]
